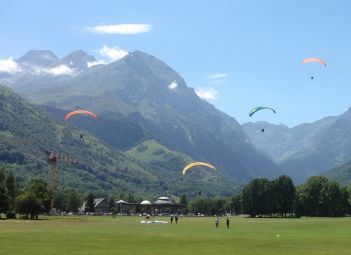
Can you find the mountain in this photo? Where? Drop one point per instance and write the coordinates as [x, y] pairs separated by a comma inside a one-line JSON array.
[[44, 58], [42, 69], [77, 59], [341, 174], [307, 149], [137, 90], [27, 130]]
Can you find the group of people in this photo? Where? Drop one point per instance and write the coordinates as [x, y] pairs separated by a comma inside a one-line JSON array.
[[175, 218], [217, 222]]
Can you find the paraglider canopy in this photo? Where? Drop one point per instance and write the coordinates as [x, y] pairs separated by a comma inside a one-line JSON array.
[[188, 166], [84, 112], [317, 60], [256, 109]]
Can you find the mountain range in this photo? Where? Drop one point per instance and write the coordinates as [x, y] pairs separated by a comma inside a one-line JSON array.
[[149, 116], [134, 94], [307, 149], [148, 169]]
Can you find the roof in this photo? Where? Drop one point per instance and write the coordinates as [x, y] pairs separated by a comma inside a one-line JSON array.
[[121, 202], [98, 201], [145, 202], [163, 200]]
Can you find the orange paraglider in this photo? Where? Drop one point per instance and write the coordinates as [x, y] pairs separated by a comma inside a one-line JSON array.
[[317, 60]]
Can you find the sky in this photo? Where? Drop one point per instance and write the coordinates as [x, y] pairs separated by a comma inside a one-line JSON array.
[[236, 54]]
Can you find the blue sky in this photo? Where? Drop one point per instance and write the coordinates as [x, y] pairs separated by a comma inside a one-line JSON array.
[[239, 53]]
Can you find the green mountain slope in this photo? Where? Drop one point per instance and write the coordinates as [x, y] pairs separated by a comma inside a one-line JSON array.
[[27, 130], [341, 174], [136, 90]]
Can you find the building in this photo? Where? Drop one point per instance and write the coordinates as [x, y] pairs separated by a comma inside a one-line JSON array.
[[162, 205], [127, 208], [100, 206]]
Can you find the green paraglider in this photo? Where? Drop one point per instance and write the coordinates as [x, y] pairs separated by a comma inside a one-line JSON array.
[[256, 109]]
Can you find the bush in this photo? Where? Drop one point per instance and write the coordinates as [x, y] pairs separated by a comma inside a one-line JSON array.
[[11, 215]]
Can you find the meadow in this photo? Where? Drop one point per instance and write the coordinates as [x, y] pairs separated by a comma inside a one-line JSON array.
[[192, 235]]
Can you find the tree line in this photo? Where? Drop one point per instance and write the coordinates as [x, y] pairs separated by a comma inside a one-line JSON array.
[[35, 198], [260, 197]]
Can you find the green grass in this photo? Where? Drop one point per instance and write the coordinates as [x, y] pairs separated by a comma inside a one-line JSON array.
[[125, 235], [151, 150]]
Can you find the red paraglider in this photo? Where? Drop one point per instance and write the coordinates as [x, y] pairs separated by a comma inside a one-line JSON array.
[[84, 112]]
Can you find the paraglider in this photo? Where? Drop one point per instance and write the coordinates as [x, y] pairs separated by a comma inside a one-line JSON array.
[[84, 112], [256, 109], [188, 166], [316, 60], [79, 112]]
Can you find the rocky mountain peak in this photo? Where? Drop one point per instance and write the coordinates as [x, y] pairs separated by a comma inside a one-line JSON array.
[[44, 58]]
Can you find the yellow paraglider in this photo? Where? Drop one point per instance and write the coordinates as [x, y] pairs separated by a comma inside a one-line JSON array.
[[187, 167]]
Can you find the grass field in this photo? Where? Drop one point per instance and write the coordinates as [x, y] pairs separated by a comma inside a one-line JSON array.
[[125, 235]]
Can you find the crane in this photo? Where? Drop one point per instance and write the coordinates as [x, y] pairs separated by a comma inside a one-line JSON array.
[[53, 158]]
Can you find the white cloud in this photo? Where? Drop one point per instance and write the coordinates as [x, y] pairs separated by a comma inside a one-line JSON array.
[[54, 71], [218, 76], [9, 66], [173, 85], [124, 29], [94, 63], [113, 53], [207, 93]]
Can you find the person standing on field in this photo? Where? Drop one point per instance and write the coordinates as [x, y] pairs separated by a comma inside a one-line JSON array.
[[217, 222], [176, 219], [227, 222], [171, 219]]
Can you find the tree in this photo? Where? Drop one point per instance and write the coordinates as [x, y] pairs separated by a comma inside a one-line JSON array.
[[283, 194], [61, 201], [345, 193], [4, 198], [217, 206], [73, 202], [310, 196], [11, 191], [333, 204], [34, 200], [131, 198], [90, 204], [255, 197], [199, 206], [39, 189], [183, 200], [111, 204], [29, 206], [233, 204], [319, 197]]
